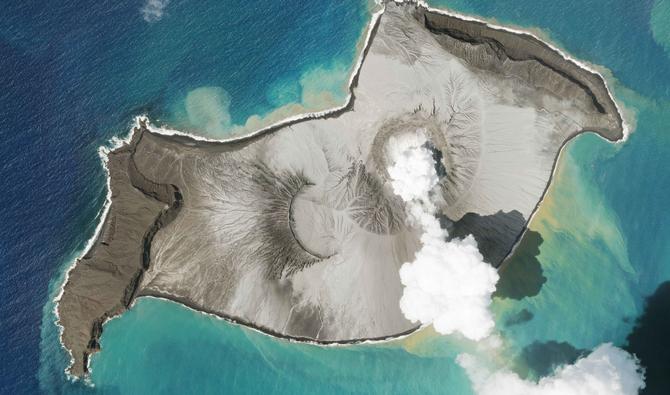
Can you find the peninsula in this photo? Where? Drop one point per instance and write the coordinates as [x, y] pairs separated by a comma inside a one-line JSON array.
[[295, 230]]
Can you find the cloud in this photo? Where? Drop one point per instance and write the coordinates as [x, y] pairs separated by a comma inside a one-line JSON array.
[[412, 171], [608, 370], [153, 10], [448, 284]]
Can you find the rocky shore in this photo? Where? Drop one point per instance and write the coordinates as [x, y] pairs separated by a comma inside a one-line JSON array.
[[295, 231]]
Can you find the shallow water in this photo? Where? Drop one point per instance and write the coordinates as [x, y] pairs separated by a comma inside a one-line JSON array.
[[202, 354], [72, 86]]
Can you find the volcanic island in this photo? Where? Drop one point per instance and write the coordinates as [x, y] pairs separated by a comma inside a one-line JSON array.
[[295, 230]]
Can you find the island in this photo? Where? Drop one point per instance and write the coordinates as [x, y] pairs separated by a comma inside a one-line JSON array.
[[295, 230]]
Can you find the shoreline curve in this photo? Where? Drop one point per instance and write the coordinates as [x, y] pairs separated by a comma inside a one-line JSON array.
[[348, 104]]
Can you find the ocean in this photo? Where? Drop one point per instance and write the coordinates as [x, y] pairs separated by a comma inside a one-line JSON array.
[[74, 74]]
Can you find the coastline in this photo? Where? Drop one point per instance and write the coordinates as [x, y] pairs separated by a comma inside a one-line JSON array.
[[348, 104], [103, 151], [116, 143], [327, 113], [274, 334], [545, 42]]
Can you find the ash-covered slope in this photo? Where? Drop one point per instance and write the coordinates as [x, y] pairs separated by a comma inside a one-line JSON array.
[[296, 231]]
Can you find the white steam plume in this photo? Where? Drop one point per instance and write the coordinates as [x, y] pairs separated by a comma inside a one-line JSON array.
[[608, 370], [153, 10], [448, 284]]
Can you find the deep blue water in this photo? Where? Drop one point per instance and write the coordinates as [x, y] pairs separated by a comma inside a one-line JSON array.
[[73, 74]]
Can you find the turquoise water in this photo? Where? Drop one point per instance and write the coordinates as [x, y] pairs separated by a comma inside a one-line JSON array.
[[201, 354], [604, 231]]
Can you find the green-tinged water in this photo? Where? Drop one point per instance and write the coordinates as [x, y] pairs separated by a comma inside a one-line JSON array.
[[591, 290], [205, 110], [189, 352], [601, 235]]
